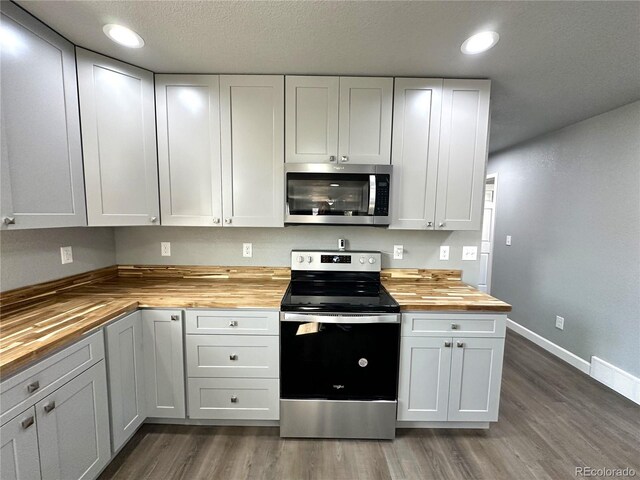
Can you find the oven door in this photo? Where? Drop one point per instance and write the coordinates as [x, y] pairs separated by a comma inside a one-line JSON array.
[[336, 357]]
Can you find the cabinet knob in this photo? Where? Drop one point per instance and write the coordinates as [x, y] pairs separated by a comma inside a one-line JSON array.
[[175, 318], [153, 219], [233, 323], [332, 158], [344, 159], [49, 407], [429, 224], [27, 422], [227, 221], [32, 387], [441, 224], [460, 345], [234, 399], [9, 220], [233, 356], [447, 344], [216, 221], [455, 326]]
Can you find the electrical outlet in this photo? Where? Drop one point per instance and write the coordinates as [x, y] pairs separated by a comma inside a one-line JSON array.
[[469, 253], [398, 252], [66, 255], [508, 241], [165, 249], [560, 322], [444, 252], [247, 250]]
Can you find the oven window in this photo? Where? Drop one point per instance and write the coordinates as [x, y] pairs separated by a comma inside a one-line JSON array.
[[327, 194]]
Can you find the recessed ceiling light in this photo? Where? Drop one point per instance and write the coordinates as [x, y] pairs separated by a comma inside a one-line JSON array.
[[123, 35], [480, 42]]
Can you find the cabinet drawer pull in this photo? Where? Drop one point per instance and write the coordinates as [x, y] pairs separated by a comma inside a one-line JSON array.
[[234, 399], [233, 356], [455, 326], [9, 220], [27, 422], [175, 318], [233, 323], [153, 219], [32, 387], [344, 159], [332, 158], [447, 344], [49, 406], [227, 221], [460, 345], [441, 224], [216, 221]]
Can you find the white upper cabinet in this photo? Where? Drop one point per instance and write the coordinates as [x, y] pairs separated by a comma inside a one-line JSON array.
[[364, 130], [462, 154], [42, 184], [312, 119], [119, 141], [252, 140], [416, 134], [188, 117], [339, 119]]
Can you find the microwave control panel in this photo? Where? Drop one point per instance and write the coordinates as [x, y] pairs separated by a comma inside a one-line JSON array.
[[382, 195]]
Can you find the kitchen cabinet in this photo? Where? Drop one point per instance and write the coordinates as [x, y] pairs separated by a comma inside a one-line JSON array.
[[125, 363], [119, 140], [252, 145], [42, 181], [163, 363], [416, 136], [462, 157], [339, 119], [188, 119], [73, 427], [19, 458]]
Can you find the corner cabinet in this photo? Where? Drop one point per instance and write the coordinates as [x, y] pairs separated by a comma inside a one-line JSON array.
[[119, 141], [42, 183], [339, 119], [441, 130]]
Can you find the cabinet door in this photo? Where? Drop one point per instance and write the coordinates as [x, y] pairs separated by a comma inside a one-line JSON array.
[[364, 133], [19, 458], [312, 119], [463, 154], [119, 141], [252, 125], [476, 373], [164, 364], [188, 117], [126, 378], [42, 184], [73, 427], [416, 135], [423, 388]]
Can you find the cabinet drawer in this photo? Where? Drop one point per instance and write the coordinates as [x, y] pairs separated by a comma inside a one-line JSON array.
[[235, 322], [232, 356], [234, 398], [28, 387], [453, 325]]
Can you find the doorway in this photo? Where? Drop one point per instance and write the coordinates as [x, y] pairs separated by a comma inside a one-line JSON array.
[[488, 225]]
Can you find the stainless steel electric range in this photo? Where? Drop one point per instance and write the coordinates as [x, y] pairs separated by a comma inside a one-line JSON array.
[[339, 348]]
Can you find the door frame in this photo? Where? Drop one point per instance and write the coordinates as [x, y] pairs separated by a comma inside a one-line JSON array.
[[492, 228]]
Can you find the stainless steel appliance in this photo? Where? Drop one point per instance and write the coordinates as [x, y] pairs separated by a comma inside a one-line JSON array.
[[337, 194], [339, 348]]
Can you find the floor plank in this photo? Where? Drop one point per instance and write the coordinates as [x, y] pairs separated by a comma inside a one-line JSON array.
[[553, 419]]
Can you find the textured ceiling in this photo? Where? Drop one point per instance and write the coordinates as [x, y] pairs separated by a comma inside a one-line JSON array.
[[556, 63]]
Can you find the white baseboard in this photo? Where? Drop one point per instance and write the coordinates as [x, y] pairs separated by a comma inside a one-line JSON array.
[[615, 378], [561, 353]]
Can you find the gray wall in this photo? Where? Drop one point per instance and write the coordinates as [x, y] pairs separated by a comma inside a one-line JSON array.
[[272, 246], [33, 256], [571, 201]]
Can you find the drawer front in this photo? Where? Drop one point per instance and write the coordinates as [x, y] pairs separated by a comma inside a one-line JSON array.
[[234, 398], [28, 387], [452, 325], [232, 356], [236, 322]]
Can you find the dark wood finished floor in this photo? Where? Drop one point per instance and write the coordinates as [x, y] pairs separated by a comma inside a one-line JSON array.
[[552, 420]]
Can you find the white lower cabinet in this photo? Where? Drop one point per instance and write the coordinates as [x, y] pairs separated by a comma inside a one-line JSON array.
[[454, 379], [73, 427], [19, 458]]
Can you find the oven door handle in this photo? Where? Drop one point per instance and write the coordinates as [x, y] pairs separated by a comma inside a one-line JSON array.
[[372, 195], [325, 318]]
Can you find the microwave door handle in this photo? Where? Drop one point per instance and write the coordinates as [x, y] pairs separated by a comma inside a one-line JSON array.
[[372, 194]]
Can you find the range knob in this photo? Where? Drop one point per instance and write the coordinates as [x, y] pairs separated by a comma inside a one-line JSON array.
[[300, 259], [336, 259], [309, 259], [372, 260], [362, 260]]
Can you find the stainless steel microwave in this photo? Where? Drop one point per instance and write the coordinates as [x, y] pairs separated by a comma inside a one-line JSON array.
[[337, 194]]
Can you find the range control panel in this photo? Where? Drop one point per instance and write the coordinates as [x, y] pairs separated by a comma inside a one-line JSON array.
[[336, 261]]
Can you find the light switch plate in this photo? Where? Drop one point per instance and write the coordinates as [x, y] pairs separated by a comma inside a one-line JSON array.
[[247, 250], [469, 253], [398, 252], [560, 322], [508, 241], [66, 255], [444, 252], [165, 249]]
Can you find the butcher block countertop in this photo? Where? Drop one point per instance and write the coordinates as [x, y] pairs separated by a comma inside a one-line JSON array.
[[37, 320]]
